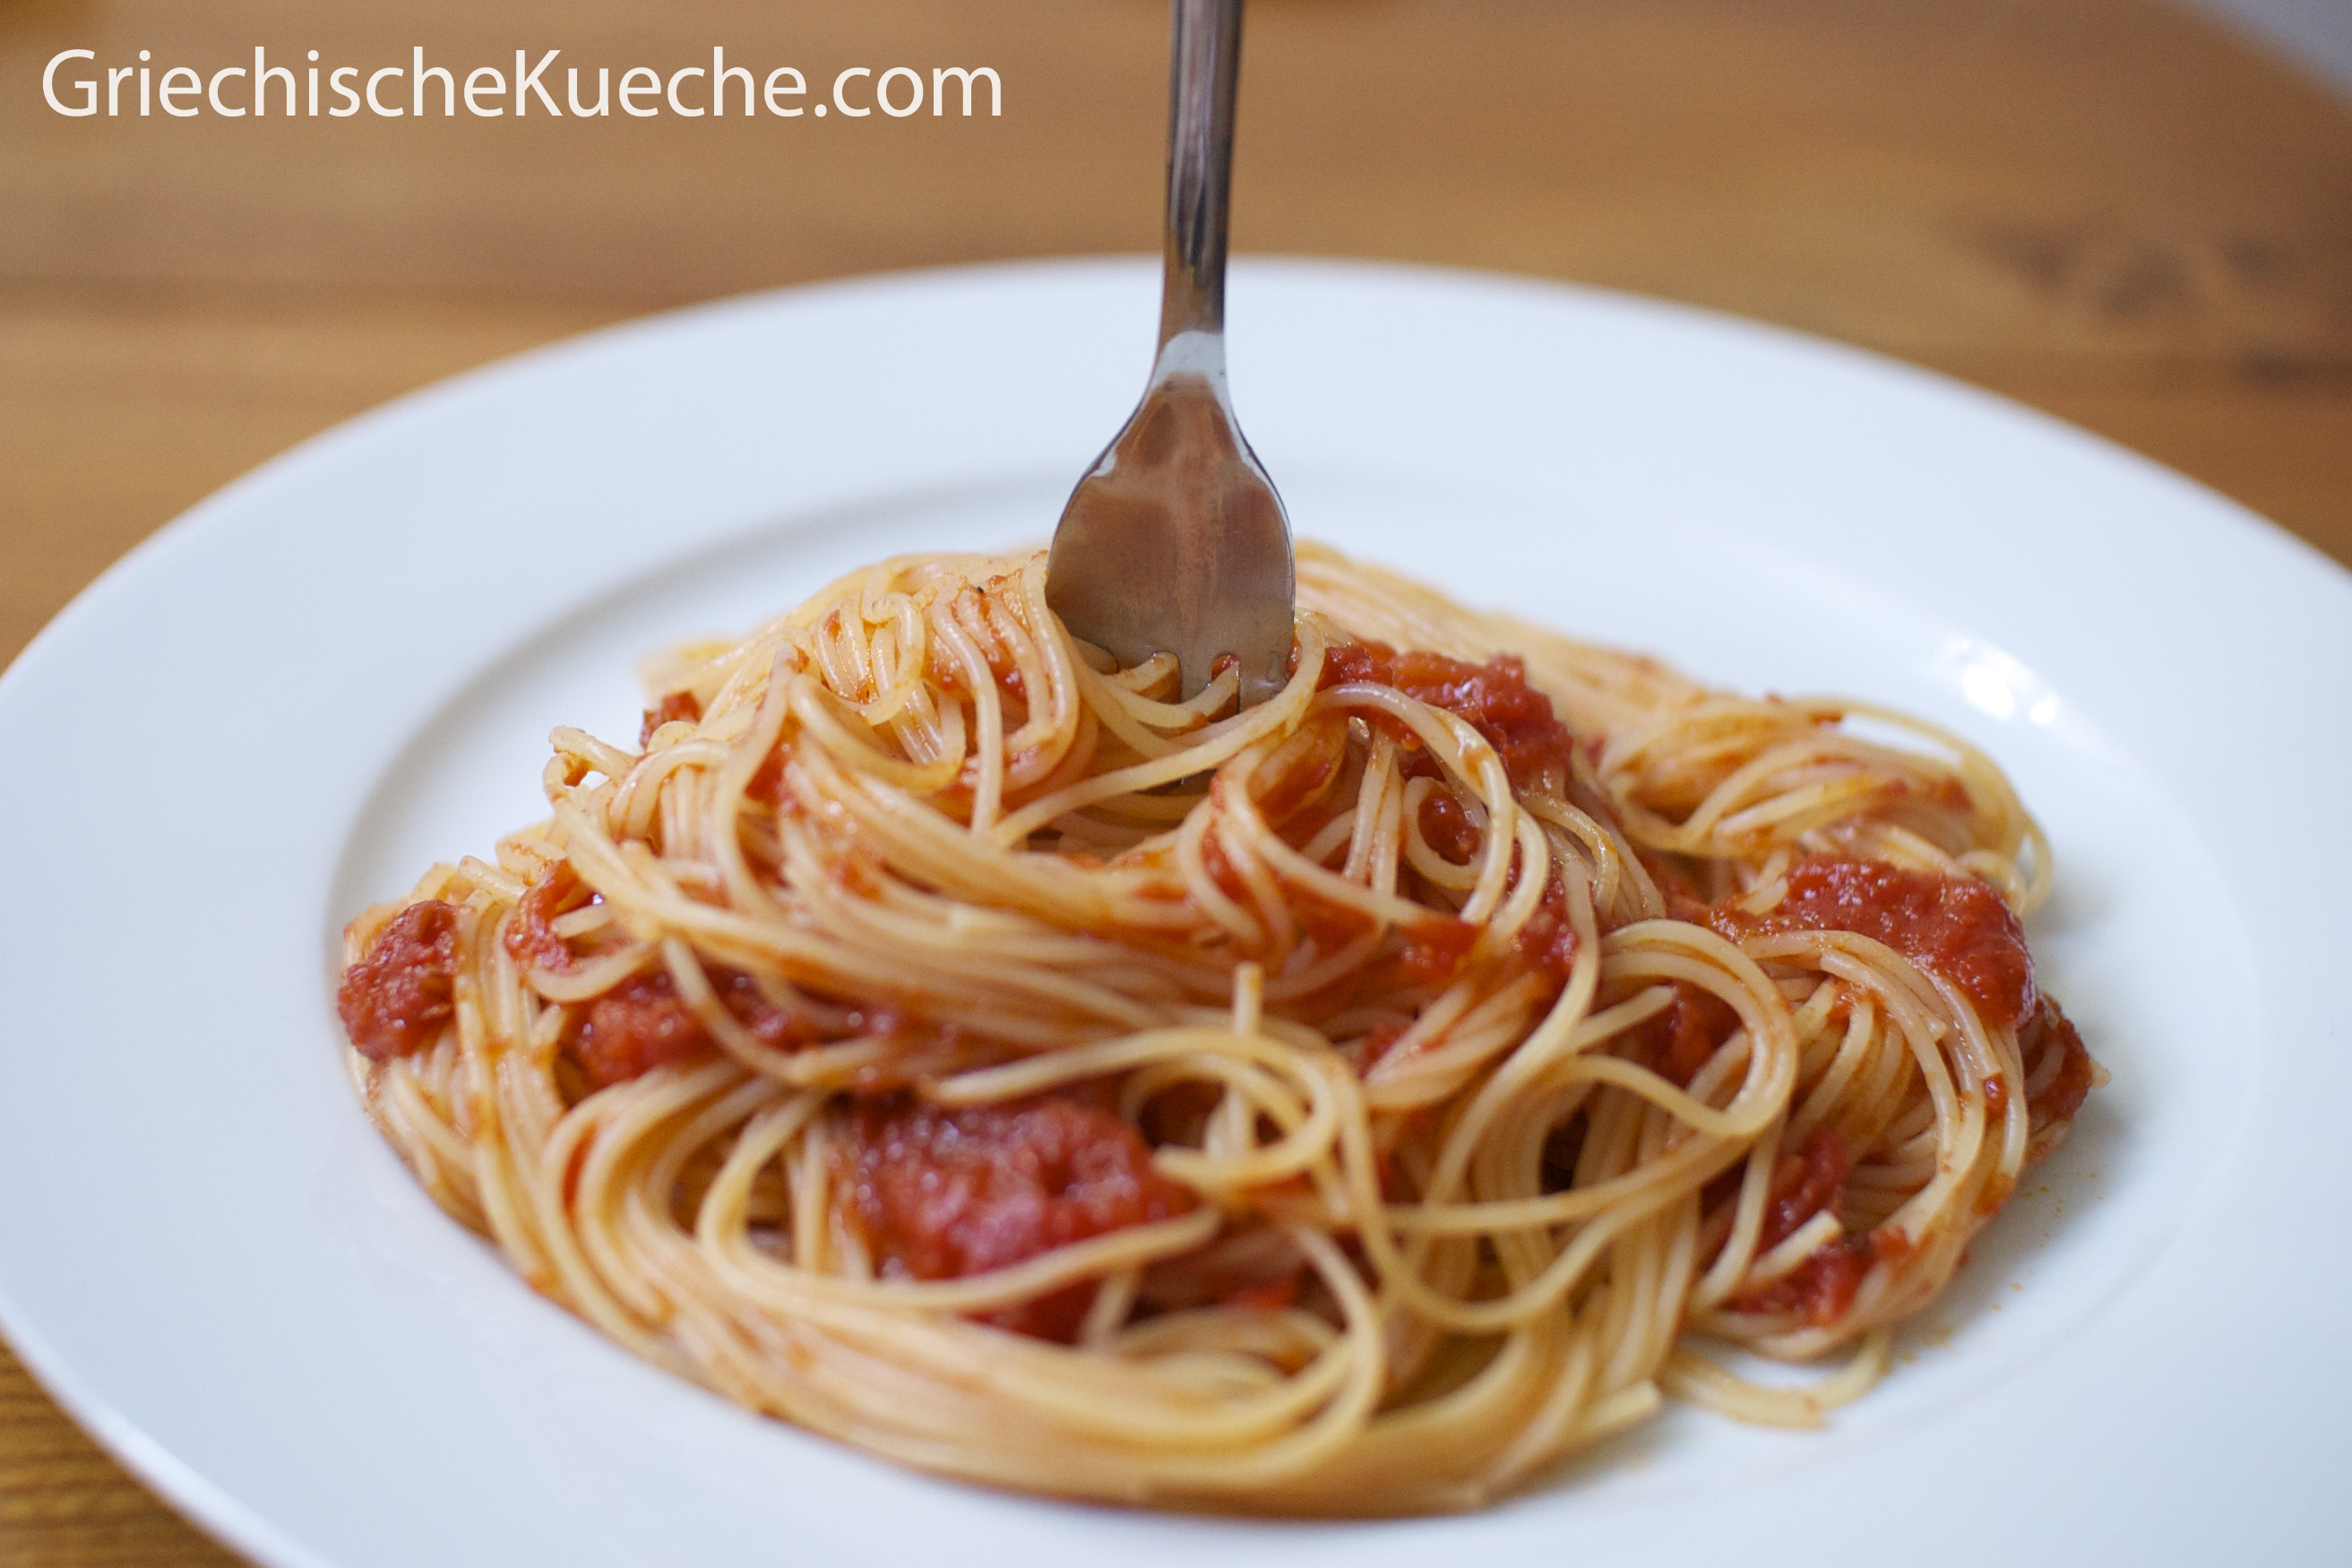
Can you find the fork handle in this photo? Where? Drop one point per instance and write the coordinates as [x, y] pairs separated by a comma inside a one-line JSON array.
[[1205, 63]]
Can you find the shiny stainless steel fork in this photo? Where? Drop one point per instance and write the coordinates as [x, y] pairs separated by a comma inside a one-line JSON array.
[[1175, 540]]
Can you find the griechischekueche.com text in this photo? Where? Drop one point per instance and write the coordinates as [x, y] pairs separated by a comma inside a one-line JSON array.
[[393, 91]]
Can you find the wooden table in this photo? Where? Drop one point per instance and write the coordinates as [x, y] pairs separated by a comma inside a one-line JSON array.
[[2099, 206]]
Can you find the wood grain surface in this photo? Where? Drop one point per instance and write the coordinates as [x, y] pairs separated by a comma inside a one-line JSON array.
[[2100, 207]]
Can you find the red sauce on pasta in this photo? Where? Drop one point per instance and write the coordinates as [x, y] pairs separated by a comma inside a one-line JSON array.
[[1494, 698], [1548, 939], [1678, 1041], [531, 937], [1265, 1295], [2050, 1029], [642, 1024], [673, 707], [1803, 1184], [1435, 949], [1957, 927], [1221, 871], [1677, 883], [398, 996], [1820, 1290], [1302, 769], [943, 1192], [1448, 829], [637, 1026]]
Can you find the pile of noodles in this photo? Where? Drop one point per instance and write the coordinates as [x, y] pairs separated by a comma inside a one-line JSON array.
[[1444, 1173]]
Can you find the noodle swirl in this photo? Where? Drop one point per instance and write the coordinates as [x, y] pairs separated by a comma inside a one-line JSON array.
[[952, 1044]]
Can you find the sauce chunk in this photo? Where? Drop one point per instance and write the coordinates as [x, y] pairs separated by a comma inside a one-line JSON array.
[[1803, 1184], [1494, 698], [944, 1193], [402, 992], [673, 707], [1957, 927], [1683, 1038], [531, 938], [634, 1027], [1547, 941], [1820, 1290], [2061, 1094], [642, 1024]]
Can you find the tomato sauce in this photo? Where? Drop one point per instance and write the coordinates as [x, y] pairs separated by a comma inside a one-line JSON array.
[[402, 992], [1820, 1290], [637, 1026], [673, 707], [1996, 1093], [1447, 828], [1378, 1044], [2050, 1029], [1329, 926], [1677, 1041], [943, 1192], [1494, 698], [1803, 1184], [1957, 927], [1435, 948], [1548, 941], [974, 620], [531, 938], [1677, 883], [1270, 1295], [1221, 871], [642, 1024], [1302, 769]]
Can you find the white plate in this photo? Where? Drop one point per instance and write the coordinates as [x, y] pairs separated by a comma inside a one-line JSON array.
[[341, 667]]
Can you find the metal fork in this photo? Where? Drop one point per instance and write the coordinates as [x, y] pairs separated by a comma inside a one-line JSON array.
[[1175, 540]]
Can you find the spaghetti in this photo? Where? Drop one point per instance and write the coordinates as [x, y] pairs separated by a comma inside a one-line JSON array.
[[938, 1038]]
